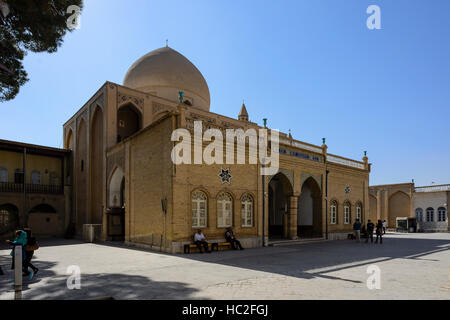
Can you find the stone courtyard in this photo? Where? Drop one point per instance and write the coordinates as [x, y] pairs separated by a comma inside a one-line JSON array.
[[413, 266]]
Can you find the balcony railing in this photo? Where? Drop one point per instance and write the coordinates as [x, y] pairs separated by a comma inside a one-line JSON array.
[[31, 188]]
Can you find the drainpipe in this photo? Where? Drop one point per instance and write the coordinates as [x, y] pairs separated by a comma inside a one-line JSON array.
[[326, 203], [25, 216], [263, 208]]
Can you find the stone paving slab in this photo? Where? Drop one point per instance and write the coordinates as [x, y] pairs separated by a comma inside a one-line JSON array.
[[413, 266]]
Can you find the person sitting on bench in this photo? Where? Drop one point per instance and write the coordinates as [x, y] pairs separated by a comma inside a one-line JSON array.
[[200, 240], [230, 237]]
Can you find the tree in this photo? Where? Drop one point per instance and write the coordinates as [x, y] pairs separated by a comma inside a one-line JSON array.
[[28, 25]]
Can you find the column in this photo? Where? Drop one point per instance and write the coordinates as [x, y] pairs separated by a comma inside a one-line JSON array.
[[293, 207]]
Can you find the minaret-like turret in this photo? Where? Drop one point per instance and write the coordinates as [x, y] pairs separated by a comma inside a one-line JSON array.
[[243, 114]]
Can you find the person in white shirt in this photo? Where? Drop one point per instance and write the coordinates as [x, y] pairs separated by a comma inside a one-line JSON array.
[[384, 226], [200, 240]]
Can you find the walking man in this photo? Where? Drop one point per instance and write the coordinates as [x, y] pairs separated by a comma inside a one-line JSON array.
[[379, 232], [370, 228], [357, 230], [384, 226]]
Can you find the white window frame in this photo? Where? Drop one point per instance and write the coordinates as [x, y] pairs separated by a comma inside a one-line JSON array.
[[333, 213], [442, 214], [3, 174], [197, 199], [419, 214], [224, 214], [430, 215], [346, 213], [247, 211], [359, 212]]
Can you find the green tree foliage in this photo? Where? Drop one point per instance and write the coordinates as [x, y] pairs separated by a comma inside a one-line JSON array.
[[28, 25]]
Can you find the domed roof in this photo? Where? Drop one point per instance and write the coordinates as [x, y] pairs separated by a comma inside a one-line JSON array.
[[165, 72]]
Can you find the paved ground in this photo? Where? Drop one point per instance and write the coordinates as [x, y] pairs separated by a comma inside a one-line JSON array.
[[413, 266]]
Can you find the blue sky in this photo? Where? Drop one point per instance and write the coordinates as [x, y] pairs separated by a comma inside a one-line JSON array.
[[309, 66]]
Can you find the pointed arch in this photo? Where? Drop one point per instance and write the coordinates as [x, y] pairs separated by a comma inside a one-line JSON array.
[[96, 155], [280, 189], [129, 120], [309, 209], [399, 206], [68, 141], [115, 188], [80, 175]]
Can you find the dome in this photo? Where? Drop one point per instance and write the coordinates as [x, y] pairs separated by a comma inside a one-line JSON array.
[[164, 72]]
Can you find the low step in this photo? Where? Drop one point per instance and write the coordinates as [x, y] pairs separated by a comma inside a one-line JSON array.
[[294, 242]]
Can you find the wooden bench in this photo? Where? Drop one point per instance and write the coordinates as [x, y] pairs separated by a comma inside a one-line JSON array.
[[211, 246]]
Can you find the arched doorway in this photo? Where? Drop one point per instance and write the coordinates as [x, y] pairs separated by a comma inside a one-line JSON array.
[[116, 206], [280, 189], [309, 214], [43, 220], [128, 121], [9, 219], [116, 189]]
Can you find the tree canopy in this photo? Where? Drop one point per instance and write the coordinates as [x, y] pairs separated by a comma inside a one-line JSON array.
[[29, 25]]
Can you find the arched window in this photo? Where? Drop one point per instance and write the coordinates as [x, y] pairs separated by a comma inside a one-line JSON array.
[[3, 174], [224, 210], [442, 214], [359, 211], [247, 211], [419, 214], [430, 215], [347, 207], [35, 177], [333, 212], [199, 209]]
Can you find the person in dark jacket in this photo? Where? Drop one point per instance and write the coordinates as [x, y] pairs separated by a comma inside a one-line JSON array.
[[31, 246], [379, 232], [231, 238], [370, 228], [357, 230]]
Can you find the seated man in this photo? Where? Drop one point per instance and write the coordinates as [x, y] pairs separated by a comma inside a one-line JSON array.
[[229, 236], [200, 240]]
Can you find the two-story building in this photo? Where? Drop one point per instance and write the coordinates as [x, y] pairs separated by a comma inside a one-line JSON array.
[[34, 188]]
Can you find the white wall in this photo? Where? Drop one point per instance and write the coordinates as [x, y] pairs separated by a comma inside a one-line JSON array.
[[433, 200]]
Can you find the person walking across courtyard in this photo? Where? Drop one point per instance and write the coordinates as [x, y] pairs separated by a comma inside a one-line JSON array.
[[19, 240], [384, 226], [370, 228], [379, 232], [31, 246], [357, 230]]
